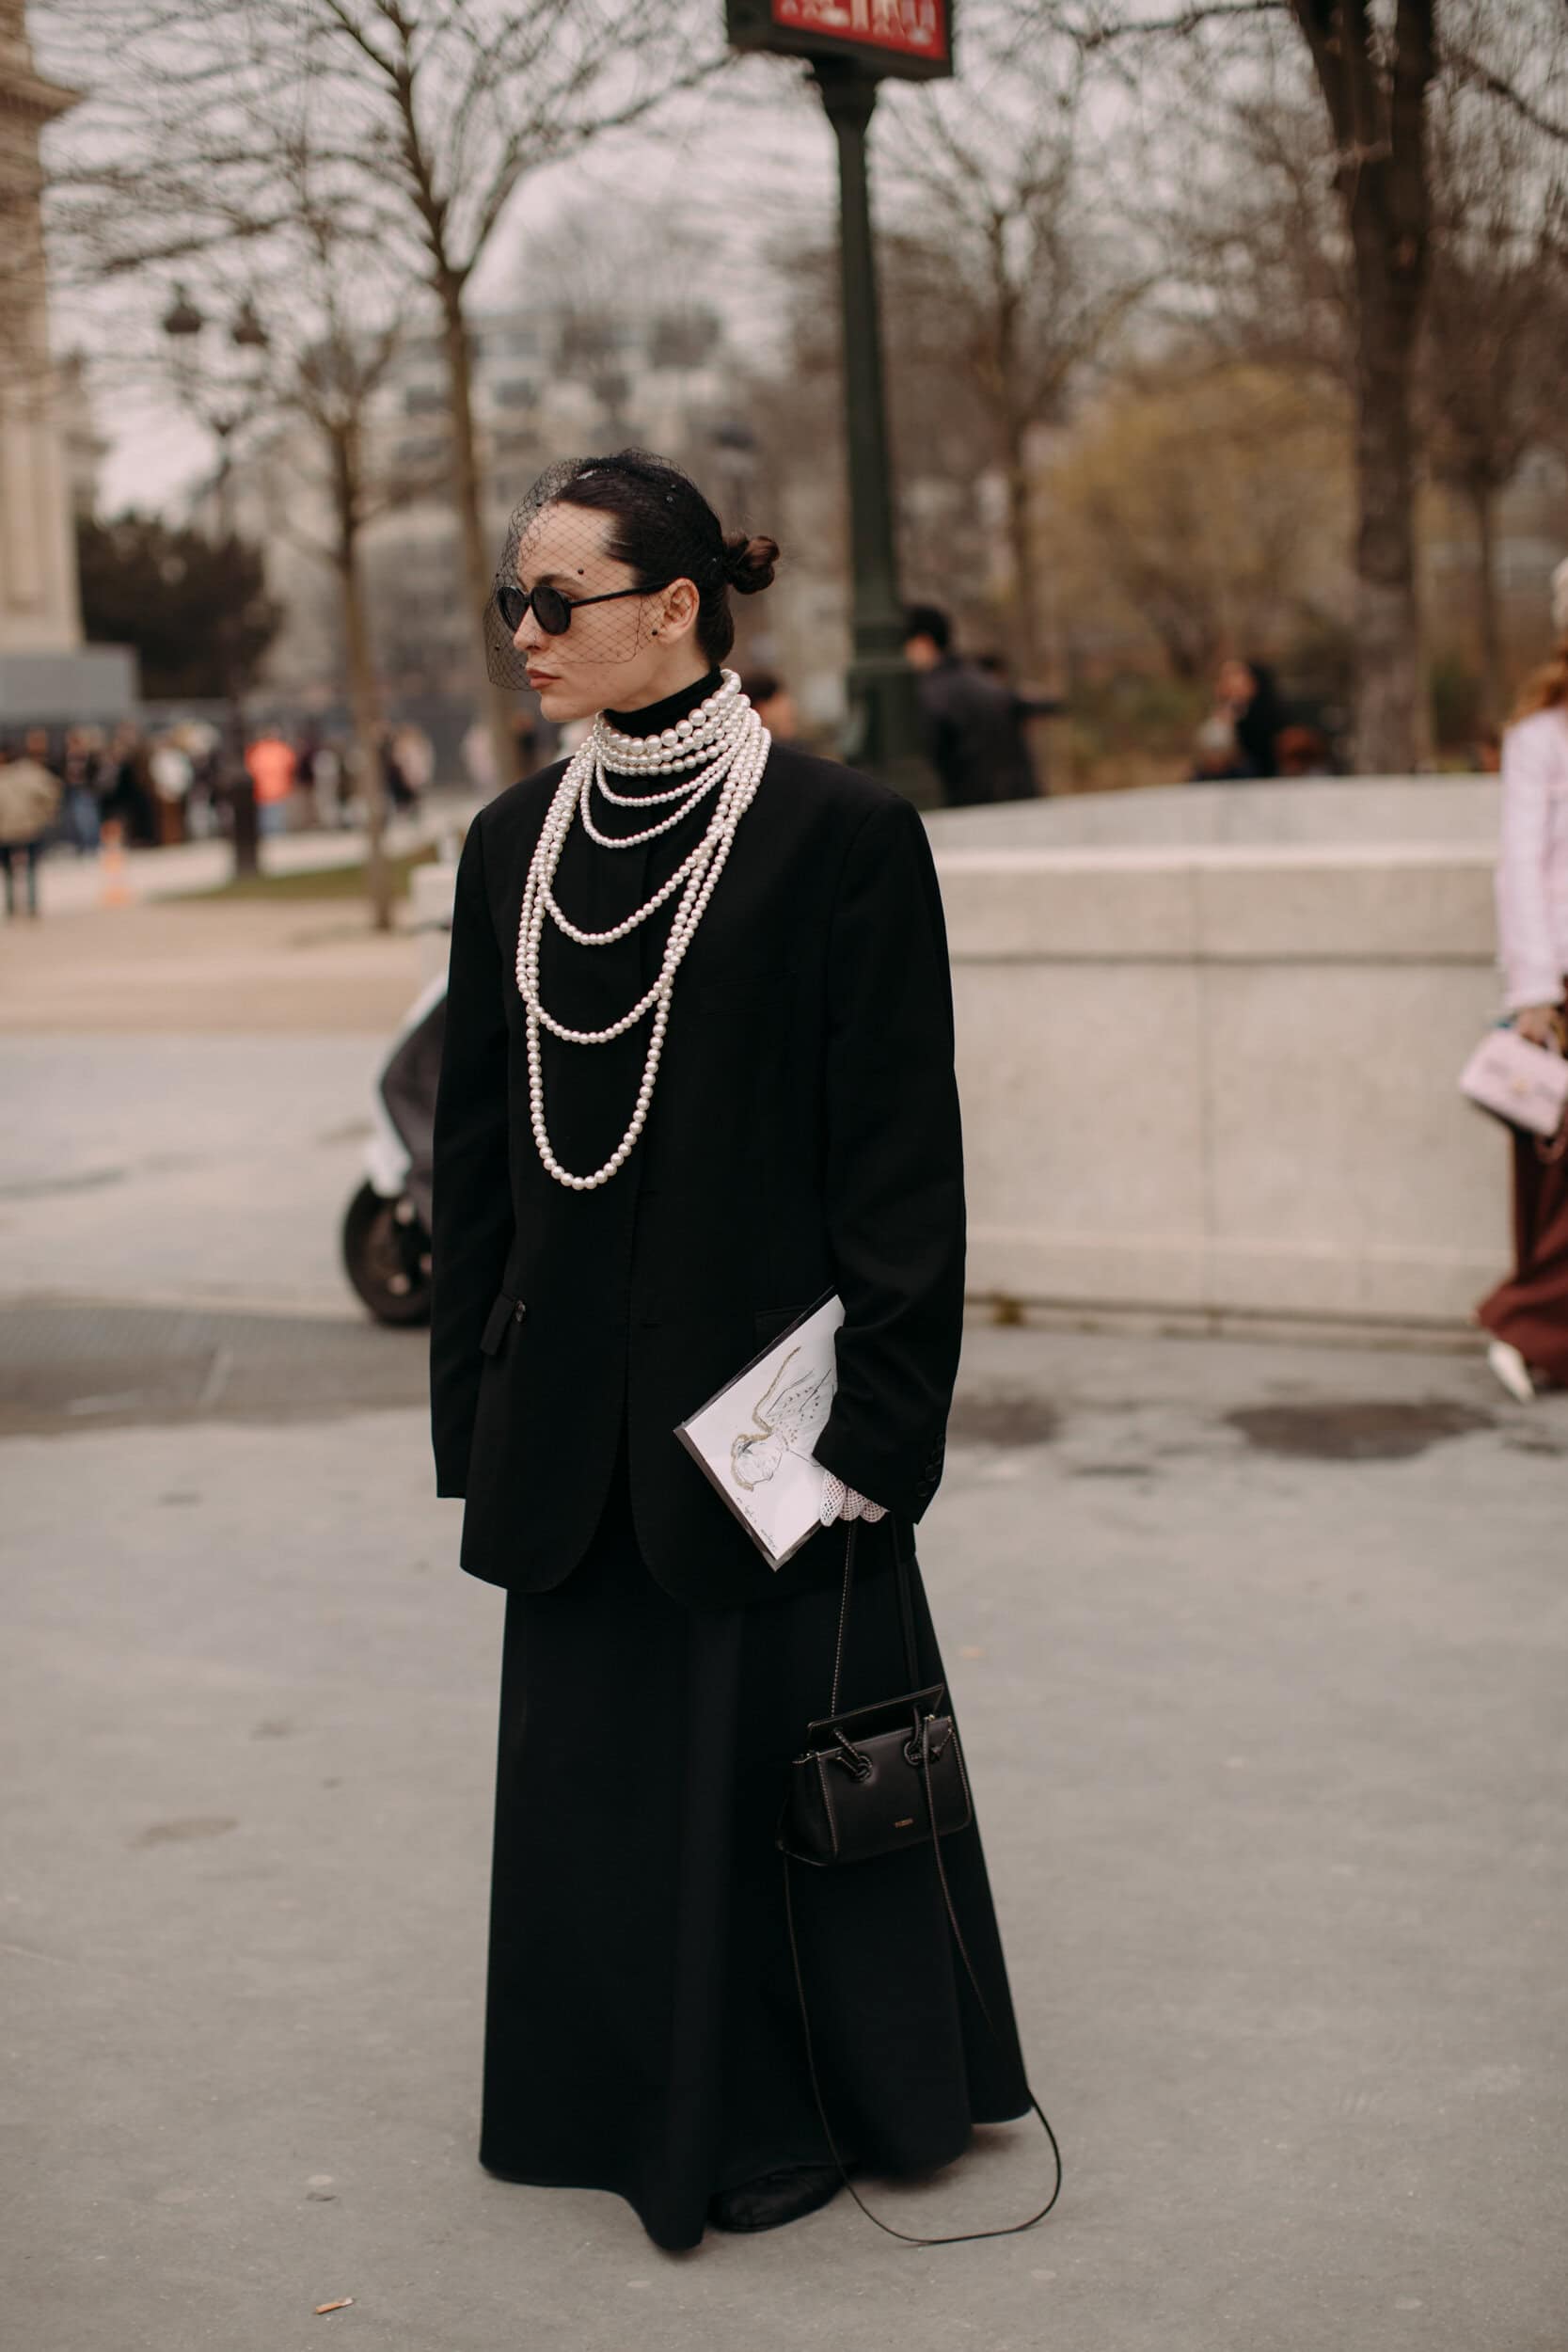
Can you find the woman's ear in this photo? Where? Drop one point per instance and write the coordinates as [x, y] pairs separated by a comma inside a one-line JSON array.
[[678, 610]]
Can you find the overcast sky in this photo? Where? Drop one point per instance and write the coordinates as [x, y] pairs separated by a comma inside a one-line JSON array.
[[753, 153]]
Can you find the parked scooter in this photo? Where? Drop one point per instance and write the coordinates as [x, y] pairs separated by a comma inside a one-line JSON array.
[[387, 1227]]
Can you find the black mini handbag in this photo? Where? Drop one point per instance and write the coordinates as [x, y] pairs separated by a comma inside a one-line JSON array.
[[857, 1792], [873, 1780]]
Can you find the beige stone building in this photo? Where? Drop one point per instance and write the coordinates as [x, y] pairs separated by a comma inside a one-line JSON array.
[[46, 673]]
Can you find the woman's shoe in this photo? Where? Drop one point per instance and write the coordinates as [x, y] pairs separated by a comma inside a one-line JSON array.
[[1513, 1371], [768, 2204]]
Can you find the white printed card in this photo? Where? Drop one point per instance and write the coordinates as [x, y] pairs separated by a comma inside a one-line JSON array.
[[755, 1439]]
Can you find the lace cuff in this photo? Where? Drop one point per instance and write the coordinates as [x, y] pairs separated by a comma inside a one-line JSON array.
[[840, 1501]]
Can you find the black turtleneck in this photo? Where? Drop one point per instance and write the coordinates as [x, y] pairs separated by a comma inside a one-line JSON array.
[[654, 717]]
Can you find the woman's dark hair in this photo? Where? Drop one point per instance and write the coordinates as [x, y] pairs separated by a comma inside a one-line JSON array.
[[929, 620], [666, 530]]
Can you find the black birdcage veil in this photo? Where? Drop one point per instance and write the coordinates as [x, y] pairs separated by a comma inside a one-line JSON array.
[[554, 542]]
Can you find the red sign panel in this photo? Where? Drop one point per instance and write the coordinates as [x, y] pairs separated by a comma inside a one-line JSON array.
[[910, 29]]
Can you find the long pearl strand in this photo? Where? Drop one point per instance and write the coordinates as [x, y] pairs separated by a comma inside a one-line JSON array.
[[730, 741]]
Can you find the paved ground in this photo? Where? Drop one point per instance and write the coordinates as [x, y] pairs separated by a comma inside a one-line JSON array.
[[1261, 1654], [170, 962], [207, 1170]]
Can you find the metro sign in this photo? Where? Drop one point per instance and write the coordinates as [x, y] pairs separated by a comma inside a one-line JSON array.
[[903, 37]]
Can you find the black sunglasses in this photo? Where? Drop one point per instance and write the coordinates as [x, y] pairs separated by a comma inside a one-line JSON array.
[[551, 609]]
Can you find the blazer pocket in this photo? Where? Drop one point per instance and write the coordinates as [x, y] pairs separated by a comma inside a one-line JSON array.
[[503, 1314]]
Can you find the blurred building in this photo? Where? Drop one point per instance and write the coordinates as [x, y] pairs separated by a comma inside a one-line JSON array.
[[549, 384], [46, 673]]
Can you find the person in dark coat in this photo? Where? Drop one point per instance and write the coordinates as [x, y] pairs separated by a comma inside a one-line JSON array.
[[975, 735], [1248, 690], [625, 1211]]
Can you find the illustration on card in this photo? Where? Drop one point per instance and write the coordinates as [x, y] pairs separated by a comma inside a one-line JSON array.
[[787, 1418]]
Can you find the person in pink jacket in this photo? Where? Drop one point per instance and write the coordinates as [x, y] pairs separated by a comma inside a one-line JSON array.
[[1527, 1316]]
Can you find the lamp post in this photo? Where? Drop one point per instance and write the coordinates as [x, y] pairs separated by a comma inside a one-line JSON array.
[[849, 52], [884, 732], [184, 325]]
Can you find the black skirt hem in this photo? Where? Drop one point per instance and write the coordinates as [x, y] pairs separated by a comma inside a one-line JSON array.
[[738, 2175]]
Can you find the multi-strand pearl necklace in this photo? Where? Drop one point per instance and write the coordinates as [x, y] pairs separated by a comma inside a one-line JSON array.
[[729, 745]]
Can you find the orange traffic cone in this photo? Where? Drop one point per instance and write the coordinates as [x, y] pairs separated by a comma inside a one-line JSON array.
[[116, 889]]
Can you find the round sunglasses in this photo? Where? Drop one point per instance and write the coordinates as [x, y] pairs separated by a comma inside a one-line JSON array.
[[551, 609]]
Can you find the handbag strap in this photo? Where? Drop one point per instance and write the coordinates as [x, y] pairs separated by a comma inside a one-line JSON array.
[[963, 2237], [906, 1610]]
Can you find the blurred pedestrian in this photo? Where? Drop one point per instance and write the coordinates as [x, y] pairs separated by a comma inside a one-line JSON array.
[[1302, 750], [773, 704], [271, 766], [84, 779], [416, 759], [1248, 690], [29, 801], [307, 752], [128, 802], [1028, 702], [329, 781], [395, 783], [478, 752], [1216, 754], [798, 1132], [973, 734], [1527, 1316], [172, 772]]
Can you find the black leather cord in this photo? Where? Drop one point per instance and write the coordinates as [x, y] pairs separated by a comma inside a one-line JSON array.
[[964, 2237]]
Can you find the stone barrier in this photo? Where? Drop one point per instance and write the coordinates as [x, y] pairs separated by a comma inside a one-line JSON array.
[[1212, 1079]]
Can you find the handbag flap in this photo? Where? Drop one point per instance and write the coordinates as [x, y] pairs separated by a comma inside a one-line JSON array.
[[860, 1721]]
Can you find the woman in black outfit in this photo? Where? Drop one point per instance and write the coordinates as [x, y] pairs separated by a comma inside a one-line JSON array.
[[622, 1216]]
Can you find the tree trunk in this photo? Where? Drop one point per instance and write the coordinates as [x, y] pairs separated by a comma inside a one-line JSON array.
[[1483, 508], [477, 559], [1013, 426], [362, 695], [1026, 616], [1380, 138], [1387, 618]]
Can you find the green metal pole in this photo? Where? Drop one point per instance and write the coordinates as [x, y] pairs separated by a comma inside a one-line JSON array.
[[884, 733]]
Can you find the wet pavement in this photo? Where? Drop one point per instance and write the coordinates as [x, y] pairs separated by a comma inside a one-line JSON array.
[[1259, 1651]]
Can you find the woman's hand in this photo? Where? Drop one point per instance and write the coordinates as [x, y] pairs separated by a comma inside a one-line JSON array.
[[1540, 1025]]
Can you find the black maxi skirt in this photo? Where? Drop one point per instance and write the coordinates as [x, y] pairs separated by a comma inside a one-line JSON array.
[[642, 2033]]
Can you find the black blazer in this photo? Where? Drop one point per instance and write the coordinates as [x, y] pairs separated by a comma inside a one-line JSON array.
[[803, 1137]]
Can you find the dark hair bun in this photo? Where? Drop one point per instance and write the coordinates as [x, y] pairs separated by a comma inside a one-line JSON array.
[[748, 563]]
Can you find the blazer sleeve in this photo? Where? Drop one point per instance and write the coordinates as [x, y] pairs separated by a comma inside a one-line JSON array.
[[894, 1168], [471, 1192], [1529, 962]]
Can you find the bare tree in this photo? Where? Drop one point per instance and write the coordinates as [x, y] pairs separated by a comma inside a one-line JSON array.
[[1210, 498], [1012, 291], [1493, 329], [1372, 71], [1252, 233], [425, 118]]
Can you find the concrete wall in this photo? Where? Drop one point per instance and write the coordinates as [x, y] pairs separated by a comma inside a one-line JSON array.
[[1216, 1078]]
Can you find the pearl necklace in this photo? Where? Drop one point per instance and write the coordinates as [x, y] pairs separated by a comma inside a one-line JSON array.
[[728, 739]]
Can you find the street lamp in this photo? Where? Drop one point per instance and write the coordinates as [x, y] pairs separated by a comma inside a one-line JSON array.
[[850, 53], [230, 403]]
